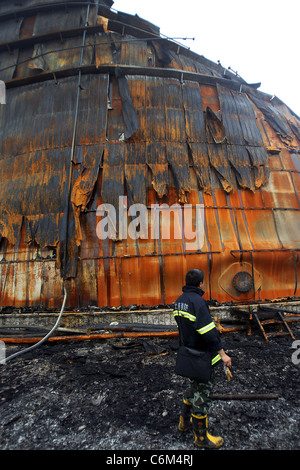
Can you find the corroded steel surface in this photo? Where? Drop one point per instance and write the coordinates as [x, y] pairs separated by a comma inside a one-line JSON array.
[[99, 106]]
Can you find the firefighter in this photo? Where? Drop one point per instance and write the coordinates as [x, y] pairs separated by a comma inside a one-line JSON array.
[[198, 331]]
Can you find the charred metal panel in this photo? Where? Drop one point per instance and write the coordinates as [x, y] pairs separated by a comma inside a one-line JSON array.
[[83, 187], [157, 162], [162, 53], [54, 55], [215, 127], [230, 114], [201, 165], [103, 49], [105, 112], [277, 119], [258, 157], [112, 48], [193, 112], [132, 25], [180, 60], [113, 173], [218, 158], [177, 157], [133, 52], [176, 148], [136, 173], [92, 119], [31, 161], [10, 29], [241, 129], [41, 164], [16, 6], [128, 111], [39, 123], [138, 22], [239, 158], [56, 20], [8, 61], [155, 113]]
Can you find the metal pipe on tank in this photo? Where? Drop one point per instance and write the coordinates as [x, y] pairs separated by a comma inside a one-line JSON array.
[[73, 142]]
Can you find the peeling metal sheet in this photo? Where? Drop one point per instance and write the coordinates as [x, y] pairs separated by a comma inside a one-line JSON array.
[[173, 104], [40, 123], [177, 157], [113, 173], [10, 29], [275, 118], [241, 129], [48, 21], [48, 161], [72, 140], [92, 120], [136, 173], [54, 55], [18, 5], [41, 216], [259, 157], [135, 176], [128, 111], [132, 52], [133, 24], [215, 127], [8, 63], [199, 152], [85, 183], [240, 161], [157, 162], [155, 114], [295, 129], [183, 62], [193, 112], [219, 161], [111, 48], [161, 52], [103, 49]]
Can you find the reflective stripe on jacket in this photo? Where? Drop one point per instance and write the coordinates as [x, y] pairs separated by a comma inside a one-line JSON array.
[[196, 327]]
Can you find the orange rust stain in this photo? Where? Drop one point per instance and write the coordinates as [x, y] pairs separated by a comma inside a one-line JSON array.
[[210, 97], [141, 281], [26, 30], [280, 191]]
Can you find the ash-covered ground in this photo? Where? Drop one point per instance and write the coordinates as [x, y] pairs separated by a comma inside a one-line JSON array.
[[123, 394]]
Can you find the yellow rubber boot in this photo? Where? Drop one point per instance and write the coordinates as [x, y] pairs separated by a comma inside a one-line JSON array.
[[202, 437], [185, 417]]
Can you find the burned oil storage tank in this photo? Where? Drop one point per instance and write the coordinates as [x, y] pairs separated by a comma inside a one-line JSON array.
[[127, 159]]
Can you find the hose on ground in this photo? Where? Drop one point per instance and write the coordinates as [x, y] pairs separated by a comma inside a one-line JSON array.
[[30, 348]]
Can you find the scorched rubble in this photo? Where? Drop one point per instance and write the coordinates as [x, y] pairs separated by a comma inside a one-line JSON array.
[[124, 395]]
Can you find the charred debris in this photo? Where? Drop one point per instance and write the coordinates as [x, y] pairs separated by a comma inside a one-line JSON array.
[[100, 105]]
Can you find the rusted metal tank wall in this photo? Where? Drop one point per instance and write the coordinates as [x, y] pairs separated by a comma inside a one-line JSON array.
[[123, 114]]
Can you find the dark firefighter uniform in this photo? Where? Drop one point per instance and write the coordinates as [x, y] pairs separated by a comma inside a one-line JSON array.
[[195, 322], [197, 331]]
